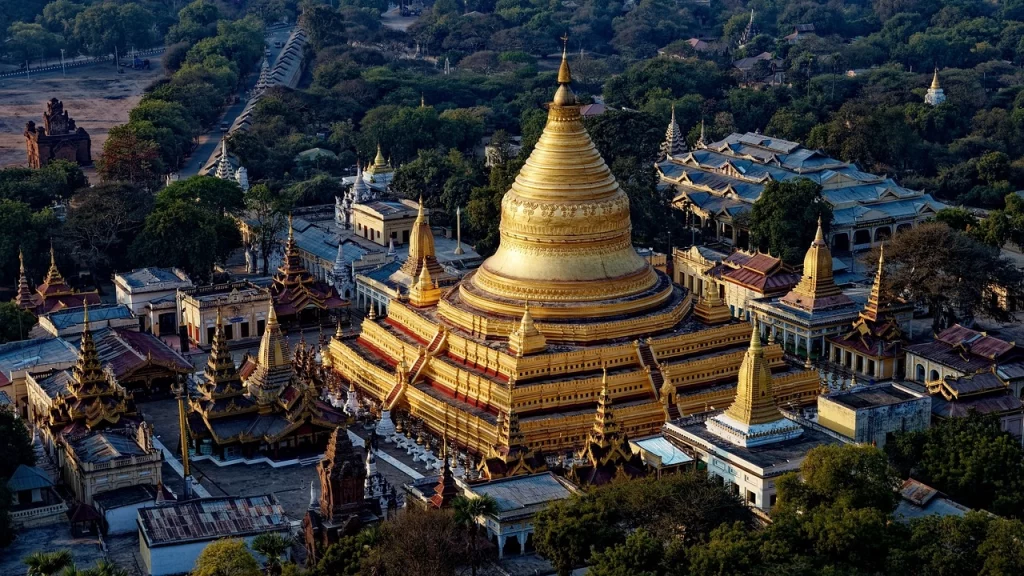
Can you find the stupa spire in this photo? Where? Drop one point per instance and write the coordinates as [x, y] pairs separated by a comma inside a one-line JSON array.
[[565, 229], [817, 289], [877, 306], [754, 403]]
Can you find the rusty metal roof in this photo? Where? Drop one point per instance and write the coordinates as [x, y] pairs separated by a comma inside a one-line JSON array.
[[211, 518]]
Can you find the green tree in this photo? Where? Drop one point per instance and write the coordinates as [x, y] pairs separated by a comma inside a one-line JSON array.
[[345, 557], [14, 323], [272, 547], [565, 531], [183, 234], [226, 558], [855, 476], [102, 222], [468, 512], [15, 444], [970, 459], [784, 218], [957, 218], [216, 195], [128, 157], [948, 271], [266, 210], [640, 555], [48, 563], [416, 543]]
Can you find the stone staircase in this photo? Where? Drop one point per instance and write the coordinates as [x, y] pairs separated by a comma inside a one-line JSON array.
[[648, 360]]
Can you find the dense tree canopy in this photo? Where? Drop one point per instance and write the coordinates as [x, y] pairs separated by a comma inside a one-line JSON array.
[[785, 218], [970, 459]]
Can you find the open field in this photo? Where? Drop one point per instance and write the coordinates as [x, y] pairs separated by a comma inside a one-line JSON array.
[[97, 97]]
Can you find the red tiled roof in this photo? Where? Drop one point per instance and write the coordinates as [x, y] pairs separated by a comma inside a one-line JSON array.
[[975, 342]]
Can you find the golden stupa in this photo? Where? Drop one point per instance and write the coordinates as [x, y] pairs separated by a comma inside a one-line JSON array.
[[509, 361]]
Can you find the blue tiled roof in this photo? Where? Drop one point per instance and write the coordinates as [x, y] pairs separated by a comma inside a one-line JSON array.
[[75, 316]]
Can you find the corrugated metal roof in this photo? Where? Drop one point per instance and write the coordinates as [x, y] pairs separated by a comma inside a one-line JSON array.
[[28, 478], [212, 518]]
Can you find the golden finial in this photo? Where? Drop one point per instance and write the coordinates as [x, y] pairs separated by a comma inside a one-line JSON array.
[[819, 236], [755, 339], [85, 314], [564, 75], [379, 160], [423, 101], [271, 315], [935, 79], [21, 261], [291, 232], [220, 321]]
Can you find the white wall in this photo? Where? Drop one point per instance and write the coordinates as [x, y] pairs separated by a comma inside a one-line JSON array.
[[176, 559], [123, 520]]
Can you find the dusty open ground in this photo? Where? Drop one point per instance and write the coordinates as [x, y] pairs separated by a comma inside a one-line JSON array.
[[97, 97]]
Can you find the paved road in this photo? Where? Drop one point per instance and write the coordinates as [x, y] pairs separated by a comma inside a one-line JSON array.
[[209, 142]]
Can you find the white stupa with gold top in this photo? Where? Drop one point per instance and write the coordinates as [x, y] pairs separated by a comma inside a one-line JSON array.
[[508, 361]]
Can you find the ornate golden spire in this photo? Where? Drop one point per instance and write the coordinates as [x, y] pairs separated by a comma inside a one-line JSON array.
[[935, 79], [421, 245], [53, 275], [817, 289], [876, 306], [565, 232], [754, 403], [526, 339], [88, 369], [379, 160], [564, 95], [605, 426], [424, 292]]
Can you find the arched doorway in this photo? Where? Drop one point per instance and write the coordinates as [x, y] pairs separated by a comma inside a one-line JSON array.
[[919, 373], [882, 233]]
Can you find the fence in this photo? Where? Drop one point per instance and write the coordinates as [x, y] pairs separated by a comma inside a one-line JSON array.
[[77, 63]]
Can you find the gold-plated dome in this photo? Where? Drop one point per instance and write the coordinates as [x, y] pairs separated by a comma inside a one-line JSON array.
[[565, 230]]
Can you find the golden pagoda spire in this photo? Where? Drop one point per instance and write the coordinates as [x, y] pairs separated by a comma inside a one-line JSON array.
[[564, 95], [526, 338], [817, 289], [53, 275], [423, 101], [424, 292], [372, 315], [605, 426], [88, 369], [876, 307], [379, 160], [935, 79], [565, 234], [754, 403], [421, 245]]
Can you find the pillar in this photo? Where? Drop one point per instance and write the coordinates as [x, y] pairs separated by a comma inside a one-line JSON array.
[[521, 537], [501, 546]]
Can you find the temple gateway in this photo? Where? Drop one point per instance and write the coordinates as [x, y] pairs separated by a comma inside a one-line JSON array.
[[510, 362]]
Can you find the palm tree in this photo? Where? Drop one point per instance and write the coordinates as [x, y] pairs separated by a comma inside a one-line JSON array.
[[106, 568], [271, 546], [48, 563], [467, 510]]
